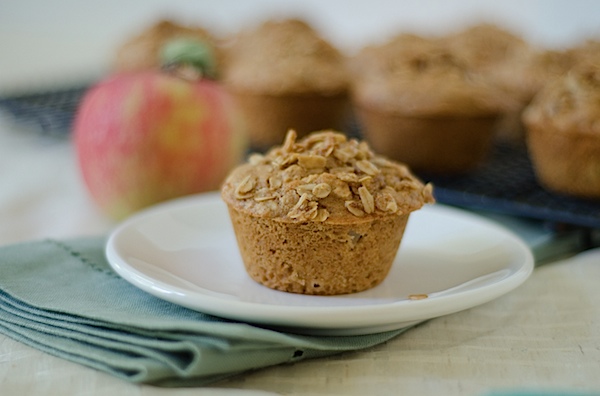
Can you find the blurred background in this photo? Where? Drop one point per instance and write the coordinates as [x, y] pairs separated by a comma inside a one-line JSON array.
[[66, 41], [51, 51]]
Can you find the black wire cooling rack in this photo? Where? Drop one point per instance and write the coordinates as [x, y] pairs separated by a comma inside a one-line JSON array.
[[505, 184], [49, 112]]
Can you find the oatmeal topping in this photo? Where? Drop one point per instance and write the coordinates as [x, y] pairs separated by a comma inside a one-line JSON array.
[[324, 177]]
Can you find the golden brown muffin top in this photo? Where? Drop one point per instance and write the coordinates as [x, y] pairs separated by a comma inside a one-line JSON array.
[[501, 55], [285, 57], [587, 51], [570, 104], [553, 63], [380, 58], [487, 45], [142, 52], [416, 76], [324, 178], [546, 65]]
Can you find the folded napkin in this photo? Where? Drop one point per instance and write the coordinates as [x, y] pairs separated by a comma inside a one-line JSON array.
[[62, 297]]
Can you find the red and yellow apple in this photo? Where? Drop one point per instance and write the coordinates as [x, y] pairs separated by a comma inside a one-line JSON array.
[[151, 136]]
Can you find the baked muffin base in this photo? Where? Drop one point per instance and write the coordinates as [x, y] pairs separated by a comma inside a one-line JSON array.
[[269, 117], [567, 163], [318, 258], [441, 145]]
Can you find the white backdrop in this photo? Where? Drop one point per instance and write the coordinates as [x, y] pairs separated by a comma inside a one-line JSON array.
[[56, 41]]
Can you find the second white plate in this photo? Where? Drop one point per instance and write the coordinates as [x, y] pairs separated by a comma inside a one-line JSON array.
[[185, 252]]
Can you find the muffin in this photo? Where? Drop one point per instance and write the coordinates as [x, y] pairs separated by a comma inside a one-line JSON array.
[[543, 67], [547, 65], [143, 51], [508, 61], [563, 133], [285, 76], [501, 55], [324, 215], [420, 104], [587, 51]]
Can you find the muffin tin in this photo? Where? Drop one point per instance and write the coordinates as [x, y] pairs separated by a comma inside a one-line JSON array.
[[505, 183]]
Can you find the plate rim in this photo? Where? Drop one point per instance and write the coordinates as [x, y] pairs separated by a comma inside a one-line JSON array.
[[315, 317]]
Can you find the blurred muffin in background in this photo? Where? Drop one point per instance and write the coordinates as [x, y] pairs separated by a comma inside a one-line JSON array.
[[143, 51], [505, 58], [546, 65], [377, 58], [501, 55], [563, 132], [588, 51], [284, 75], [421, 104]]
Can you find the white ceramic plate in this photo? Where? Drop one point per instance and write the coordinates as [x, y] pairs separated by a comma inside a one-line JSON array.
[[185, 252]]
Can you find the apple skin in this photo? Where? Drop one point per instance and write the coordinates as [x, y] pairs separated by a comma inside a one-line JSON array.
[[148, 137]]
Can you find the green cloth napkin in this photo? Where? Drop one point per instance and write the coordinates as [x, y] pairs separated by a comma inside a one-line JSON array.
[[62, 297]]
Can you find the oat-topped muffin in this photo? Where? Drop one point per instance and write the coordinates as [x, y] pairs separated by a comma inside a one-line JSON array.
[[324, 215], [284, 75], [421, 104], [563, 136], [143, 51]]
